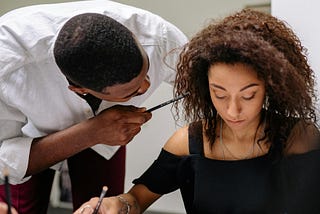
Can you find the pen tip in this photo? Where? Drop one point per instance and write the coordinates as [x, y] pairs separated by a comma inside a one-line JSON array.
[[105, 188]]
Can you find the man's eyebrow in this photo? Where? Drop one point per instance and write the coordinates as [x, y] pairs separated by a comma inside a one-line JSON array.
[[242, 89], [130, 95]]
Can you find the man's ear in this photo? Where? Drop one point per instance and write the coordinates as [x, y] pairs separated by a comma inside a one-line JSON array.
[[78, 90]]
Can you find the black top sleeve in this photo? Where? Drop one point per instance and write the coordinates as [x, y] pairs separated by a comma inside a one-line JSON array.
[[164, 171]]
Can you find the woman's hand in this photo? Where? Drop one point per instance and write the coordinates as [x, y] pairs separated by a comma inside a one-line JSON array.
[[110, 205]]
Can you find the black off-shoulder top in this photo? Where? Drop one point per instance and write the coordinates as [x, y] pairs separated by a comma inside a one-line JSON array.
[[257, 185]]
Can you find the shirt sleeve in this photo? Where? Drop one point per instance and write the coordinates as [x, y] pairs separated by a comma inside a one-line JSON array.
[[161, 176], [14, 147]]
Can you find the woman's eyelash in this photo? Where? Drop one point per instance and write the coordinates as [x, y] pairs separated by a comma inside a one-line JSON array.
[[219, 97], [243, 97], [249, 98]]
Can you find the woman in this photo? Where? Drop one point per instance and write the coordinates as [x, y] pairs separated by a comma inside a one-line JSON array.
[[252, 142]]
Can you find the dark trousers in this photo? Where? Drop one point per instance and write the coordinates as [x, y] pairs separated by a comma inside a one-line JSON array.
[[31, 197], [88, 171]]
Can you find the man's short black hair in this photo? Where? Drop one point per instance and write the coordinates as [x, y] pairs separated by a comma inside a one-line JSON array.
[[95, 51]]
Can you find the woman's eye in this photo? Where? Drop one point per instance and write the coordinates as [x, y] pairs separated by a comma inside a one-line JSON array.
[[249, 97], [219, 96]]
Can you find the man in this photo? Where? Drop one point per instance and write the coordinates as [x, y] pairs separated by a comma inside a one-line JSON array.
[[63, 69]]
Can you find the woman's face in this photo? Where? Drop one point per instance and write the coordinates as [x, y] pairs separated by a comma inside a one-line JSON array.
[[237, 94]]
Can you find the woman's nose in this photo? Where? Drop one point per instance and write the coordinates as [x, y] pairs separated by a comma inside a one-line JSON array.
[[234, 109]]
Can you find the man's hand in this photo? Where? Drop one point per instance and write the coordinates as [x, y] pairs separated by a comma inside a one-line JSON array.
[[118, 125], [114, 126]]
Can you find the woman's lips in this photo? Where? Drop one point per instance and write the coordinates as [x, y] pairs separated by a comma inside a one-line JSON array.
[[236, 122]]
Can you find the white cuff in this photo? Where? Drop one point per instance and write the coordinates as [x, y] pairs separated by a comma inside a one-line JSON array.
[[105, 151], [14, 155]]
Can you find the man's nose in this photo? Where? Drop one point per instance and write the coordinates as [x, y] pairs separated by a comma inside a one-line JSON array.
[[145, 86]]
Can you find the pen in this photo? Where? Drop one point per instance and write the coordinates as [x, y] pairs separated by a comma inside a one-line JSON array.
[[7, 189], [168, 102], [103, 193]]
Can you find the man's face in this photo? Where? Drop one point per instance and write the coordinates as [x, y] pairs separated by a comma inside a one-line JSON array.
[[124, 92]]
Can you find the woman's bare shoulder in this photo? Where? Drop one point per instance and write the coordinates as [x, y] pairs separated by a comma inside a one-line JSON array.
[[178, 142]]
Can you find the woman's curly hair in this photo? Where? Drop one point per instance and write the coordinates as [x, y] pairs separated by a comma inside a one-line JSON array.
[[266, 44]]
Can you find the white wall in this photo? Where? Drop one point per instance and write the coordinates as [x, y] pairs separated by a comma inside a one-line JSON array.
[[191, 15], [303, 17], [7, 5], [188, 15]]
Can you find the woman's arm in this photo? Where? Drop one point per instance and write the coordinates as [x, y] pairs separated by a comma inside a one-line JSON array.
[[136, 201], [139, 197]]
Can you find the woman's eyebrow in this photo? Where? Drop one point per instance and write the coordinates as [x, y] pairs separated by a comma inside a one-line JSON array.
[[249, 86], [218, 86], [242, 89]]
